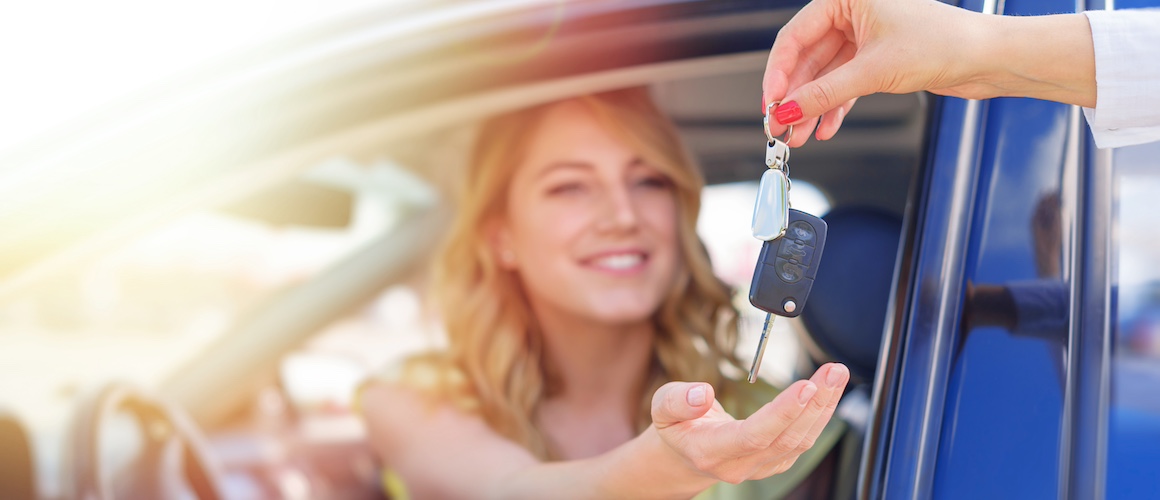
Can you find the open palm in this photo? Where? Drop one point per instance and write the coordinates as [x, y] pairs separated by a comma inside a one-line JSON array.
[[691, 421]]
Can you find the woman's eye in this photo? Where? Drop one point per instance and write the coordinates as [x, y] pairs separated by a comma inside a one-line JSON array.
[[657, 182], [566, 188]]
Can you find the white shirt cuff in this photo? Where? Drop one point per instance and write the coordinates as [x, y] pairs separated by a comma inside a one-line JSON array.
[[1127, 56]]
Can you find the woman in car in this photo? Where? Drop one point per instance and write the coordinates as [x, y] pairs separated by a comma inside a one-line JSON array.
[[589, 339]]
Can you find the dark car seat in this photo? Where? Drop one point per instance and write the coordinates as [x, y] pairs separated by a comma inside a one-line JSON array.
[[847, 307], [846, 315], [17, 478]]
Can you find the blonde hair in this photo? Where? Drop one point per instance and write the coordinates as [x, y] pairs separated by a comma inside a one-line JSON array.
[[495, 363]]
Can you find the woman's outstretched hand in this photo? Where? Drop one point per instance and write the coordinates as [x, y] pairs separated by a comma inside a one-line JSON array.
[[692, 423], [834, 51], [691, 445]]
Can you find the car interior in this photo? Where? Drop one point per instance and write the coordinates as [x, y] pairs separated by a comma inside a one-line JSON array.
[[865, 174], [233, 403]]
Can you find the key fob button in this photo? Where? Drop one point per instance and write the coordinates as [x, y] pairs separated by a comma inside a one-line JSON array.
[[788, 271], [786, 267], [800, 230], [795, 251]]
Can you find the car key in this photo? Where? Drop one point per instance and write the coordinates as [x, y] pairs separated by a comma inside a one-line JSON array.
[[792, 248], [785, 273]]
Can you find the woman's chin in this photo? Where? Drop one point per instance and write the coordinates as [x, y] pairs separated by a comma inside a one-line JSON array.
[[622, 312]]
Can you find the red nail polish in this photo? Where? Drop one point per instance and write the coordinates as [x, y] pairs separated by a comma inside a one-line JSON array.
[[788, 113]]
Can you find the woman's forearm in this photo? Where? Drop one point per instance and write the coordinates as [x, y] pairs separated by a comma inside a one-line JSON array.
[[438, 451], [1044, 57], [640, 468], [442, 453]]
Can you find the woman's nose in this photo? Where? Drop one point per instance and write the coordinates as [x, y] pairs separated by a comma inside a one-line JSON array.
[[619, 212]]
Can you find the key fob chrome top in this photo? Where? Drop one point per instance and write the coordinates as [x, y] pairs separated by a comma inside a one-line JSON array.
[[787, 266], [770, 211]]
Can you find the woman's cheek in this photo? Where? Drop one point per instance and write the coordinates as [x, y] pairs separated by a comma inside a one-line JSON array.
[[561, 210], [661, 211], [663, 222], [552, 226]]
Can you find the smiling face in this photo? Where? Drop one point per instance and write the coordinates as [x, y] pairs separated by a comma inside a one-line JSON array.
[[584, 211], [590, 226]]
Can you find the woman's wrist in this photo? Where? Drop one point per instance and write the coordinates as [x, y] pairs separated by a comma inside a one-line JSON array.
[[658, 470], [644, 467], [1043, 57]]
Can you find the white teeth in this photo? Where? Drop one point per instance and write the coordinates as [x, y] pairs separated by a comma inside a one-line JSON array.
[[618, 262]]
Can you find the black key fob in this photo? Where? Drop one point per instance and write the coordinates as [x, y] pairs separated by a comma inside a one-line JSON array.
[[787, 266]]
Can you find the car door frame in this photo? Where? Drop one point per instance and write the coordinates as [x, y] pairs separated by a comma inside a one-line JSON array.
[[909, 400]]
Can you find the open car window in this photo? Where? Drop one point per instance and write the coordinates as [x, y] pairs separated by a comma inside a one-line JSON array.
[[320, 379]]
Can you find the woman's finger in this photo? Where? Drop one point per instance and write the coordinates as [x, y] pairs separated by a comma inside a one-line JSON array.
[[832, 121], [820, 58], [848, 81], [775, 468], [677, 402], [815, 61], [836, 392], [759, 430], [801, 435], [806, 27], [802, 132]]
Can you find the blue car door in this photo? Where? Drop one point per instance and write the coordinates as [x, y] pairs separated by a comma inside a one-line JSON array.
[[1020, 361]]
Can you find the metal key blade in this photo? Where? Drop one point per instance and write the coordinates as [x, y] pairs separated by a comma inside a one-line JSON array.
[[760, 348]]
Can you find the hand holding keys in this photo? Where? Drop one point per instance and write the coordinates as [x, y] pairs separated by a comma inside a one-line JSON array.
[[788, 262]]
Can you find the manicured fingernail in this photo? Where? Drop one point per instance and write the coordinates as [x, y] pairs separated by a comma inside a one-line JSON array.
[[806, 393], [835, 375], [696, 396], [788, 113]]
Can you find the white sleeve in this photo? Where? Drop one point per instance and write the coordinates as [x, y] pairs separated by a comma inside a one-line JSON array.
[[1127, 50]]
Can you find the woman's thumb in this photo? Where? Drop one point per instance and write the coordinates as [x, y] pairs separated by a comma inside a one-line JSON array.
[[829, 91], [677, 402]]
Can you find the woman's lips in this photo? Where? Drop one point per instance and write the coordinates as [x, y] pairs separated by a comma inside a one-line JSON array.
[[618, 262]]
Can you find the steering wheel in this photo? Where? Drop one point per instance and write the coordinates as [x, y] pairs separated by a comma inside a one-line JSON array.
[[174, 453]]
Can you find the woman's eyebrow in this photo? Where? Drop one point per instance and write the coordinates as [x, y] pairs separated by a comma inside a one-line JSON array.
[[637, 161], [566, 165]]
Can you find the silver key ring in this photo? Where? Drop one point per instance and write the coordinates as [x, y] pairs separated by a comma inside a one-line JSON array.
[[769, 136]]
